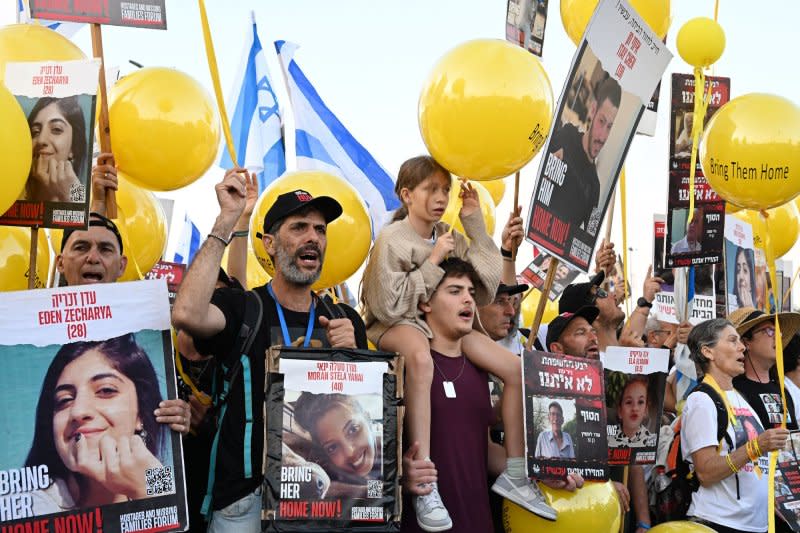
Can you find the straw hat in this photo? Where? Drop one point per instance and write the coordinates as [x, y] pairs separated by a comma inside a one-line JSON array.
[[746, 318]]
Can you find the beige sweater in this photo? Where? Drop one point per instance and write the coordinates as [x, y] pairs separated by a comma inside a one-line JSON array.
[[398, 275]]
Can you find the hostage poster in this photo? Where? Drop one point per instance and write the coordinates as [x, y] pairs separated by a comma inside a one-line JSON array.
[[136, 14], [84, 369], [635, 379], [613, 75], [319, 407], [742, 274], [565, 416], [525, 23], [59, 101], [787, 482], [536, 273]]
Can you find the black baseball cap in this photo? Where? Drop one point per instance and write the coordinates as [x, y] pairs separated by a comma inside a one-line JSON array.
[[511, 289], [578, 295], [560, 323], [293, 201], [95, 219]]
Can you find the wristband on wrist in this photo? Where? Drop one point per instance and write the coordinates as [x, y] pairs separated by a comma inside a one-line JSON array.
[[505, 253], [242, 233], [643, 525], [220, 239]]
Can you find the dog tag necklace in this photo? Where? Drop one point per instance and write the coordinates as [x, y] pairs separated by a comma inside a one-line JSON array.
[[449, 385]]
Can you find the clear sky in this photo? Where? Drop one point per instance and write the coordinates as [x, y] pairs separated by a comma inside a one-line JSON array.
[[368, 59]]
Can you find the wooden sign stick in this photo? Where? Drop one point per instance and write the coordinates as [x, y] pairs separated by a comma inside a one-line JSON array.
[[103, 125]]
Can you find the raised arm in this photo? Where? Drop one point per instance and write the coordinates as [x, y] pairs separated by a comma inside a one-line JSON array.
[[237, 255], [193, 310]]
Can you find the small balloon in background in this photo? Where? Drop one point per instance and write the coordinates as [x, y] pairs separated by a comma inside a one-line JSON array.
[[496, 188], [15, 149], [164, 128], [701, 42], [781, 223], [142, 222], [530, 302], [32, 42], [575, 16], [15, 250], [485, 110], [450, 215]]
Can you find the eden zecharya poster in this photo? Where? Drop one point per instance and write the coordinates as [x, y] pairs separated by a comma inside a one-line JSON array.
[[614, 72], [565, 416], [332, 440], [84, 368], [634, 382], [58, 99]]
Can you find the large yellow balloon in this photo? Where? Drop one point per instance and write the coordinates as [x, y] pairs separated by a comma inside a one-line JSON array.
[[701, 42], [15, 149], [485, 110], [529, 305], [750, 151], [164, 128], [450, 215], [593, 507], [31, 42], [575, 15], [681, 526], [15, 249], [349, 236], [142, 220], [497, 188], [783, 225]]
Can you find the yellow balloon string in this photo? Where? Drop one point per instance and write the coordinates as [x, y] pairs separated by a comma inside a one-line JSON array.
[[212, 67], [623, 208], [716, 10], [701, 101]]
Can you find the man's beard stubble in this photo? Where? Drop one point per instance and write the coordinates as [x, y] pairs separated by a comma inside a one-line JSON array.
[[286, 263]]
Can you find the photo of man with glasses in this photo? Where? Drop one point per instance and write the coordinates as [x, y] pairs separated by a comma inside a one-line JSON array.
[[555, 442]]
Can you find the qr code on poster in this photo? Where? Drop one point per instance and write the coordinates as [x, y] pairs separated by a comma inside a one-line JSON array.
[[374, 488], [159, 481]]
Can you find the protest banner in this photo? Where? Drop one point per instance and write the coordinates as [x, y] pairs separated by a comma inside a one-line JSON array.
[[525, 23], [659, 235], [59, 100], [172, 273], [613, 75], [564, 396], [136, 14], [310, 484], [536, 273], [740, 264], [634, 381], [787, 482], [704, 306], [84, 369]]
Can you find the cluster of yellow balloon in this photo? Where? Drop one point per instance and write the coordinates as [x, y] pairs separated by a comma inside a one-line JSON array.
[[164, 128], [575, 15], [467, 92], [349, 236], [450, 215], [784, 217], [15, 244]]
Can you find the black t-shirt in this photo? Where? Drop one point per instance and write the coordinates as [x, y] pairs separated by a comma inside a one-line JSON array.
[[573, 201], [765, 399], [231, 484]]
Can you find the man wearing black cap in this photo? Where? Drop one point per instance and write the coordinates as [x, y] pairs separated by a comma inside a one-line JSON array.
[[573, 333], [295, 238]]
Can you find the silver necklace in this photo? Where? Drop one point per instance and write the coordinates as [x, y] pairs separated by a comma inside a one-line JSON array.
[[449, 385]]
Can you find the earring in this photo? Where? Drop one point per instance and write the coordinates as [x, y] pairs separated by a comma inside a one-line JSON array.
[[142, 434]]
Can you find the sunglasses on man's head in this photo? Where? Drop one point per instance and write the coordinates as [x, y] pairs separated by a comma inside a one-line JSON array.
[[599, 292]]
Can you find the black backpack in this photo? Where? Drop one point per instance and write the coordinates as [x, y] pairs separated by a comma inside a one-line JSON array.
[[673, 480]]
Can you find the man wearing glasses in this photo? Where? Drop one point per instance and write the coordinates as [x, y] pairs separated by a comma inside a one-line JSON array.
[[611, 315], [757, 384]]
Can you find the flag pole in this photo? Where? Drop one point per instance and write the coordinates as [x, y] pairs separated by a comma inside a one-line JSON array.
[[103, 126]]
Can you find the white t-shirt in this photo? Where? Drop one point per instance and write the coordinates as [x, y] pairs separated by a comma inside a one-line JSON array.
[[718, 503]]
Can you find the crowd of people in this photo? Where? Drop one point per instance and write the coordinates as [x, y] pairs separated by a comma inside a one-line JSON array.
[[449, 304]]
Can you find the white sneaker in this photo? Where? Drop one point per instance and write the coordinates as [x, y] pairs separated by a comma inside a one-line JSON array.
[[431, 512], [528, 496]]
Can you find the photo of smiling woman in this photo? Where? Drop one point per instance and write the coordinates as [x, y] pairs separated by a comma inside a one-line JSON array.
[[59, 168], [95, 428]]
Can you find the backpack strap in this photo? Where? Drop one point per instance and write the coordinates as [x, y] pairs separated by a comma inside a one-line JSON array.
[[333, 309], [253, 314], [722, 422]]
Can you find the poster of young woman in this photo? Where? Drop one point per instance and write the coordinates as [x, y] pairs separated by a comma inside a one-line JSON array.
[[740, 264], [84, 369], [635, 380], [59, 101], [565, 416], [331, 454]]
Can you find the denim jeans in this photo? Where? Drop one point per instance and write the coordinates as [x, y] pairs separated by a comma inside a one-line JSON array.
[[242, 516]]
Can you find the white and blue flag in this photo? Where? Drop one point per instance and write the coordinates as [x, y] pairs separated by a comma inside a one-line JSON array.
[[255, 119], [189, 242], [323, 143]]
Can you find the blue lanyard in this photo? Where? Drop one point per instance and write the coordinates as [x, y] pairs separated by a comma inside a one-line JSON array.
[[285, 330]]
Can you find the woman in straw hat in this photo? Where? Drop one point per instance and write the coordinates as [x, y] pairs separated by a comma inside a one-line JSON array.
[[732, 473]]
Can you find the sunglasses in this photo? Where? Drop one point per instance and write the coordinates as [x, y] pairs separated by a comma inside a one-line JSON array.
[[599, 292], [768, 331]]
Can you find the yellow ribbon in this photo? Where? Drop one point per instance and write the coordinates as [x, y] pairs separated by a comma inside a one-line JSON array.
[[701, 101], [623, 205], [212, 67]]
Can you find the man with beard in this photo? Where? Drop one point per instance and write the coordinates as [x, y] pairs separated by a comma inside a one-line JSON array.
[[295, 239]]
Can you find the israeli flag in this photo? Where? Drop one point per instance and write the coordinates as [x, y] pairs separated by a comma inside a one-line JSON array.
[[189, 242], [255, 118], [323, 143], [67, 29]]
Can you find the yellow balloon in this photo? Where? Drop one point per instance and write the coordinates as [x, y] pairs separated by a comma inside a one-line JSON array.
[[31, 42], [142, 220], [681, 526], [164, 128], [575, 15], [701, 42], [15, 249], [593, 507], [732, 208], [485, 110], [750, 151], [528, 308], [15, 148], [256, 276], [781, 225], [349, 236], [497, 188], [450, 215]]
